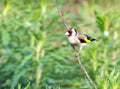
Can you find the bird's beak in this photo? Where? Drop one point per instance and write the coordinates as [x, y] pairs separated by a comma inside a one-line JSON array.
[[66, 33]]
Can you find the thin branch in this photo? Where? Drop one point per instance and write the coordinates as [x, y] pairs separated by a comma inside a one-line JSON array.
[[60, 13], [85, 71], [77, 53]]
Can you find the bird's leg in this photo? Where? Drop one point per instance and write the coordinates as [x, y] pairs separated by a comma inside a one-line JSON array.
[[80, 49], [73, 47]]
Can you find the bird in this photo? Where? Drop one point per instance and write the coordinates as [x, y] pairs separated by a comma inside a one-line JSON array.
[[77, 39]]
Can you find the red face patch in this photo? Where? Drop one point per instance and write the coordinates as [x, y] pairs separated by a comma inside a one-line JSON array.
[[70, 32]]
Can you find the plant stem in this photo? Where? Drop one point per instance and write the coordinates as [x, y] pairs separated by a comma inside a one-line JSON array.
[[85, 71], [61, 15], [38, 75], [38, 69]]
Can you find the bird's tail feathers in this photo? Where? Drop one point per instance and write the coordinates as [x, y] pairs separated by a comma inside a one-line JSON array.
[[93, 39], [90, 38]]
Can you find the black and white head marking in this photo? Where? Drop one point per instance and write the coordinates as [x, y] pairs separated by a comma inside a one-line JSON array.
[[74, 32]]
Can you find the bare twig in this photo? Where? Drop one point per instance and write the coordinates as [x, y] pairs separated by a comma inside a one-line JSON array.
[[77, 53], [85, 71], [60, 13]]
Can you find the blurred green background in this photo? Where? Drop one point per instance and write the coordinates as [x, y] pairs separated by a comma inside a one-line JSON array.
[[35, 53]]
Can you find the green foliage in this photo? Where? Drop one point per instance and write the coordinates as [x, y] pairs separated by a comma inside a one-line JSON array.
[[35, 54], [110, 81]]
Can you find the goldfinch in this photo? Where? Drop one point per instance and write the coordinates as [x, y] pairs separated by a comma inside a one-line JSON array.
[[78, 39]]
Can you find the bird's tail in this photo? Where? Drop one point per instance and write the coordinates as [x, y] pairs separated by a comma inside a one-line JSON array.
[[91, 38]]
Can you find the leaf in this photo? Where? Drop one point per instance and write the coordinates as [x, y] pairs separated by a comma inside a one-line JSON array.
[[100, 21], [5, 37], [17, 76]]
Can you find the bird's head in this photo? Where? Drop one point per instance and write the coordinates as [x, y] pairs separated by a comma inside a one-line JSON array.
[[71, 32]]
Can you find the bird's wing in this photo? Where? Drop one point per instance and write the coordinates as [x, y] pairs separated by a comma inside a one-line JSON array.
[[85, 38], [82, 38], [90, 38]]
